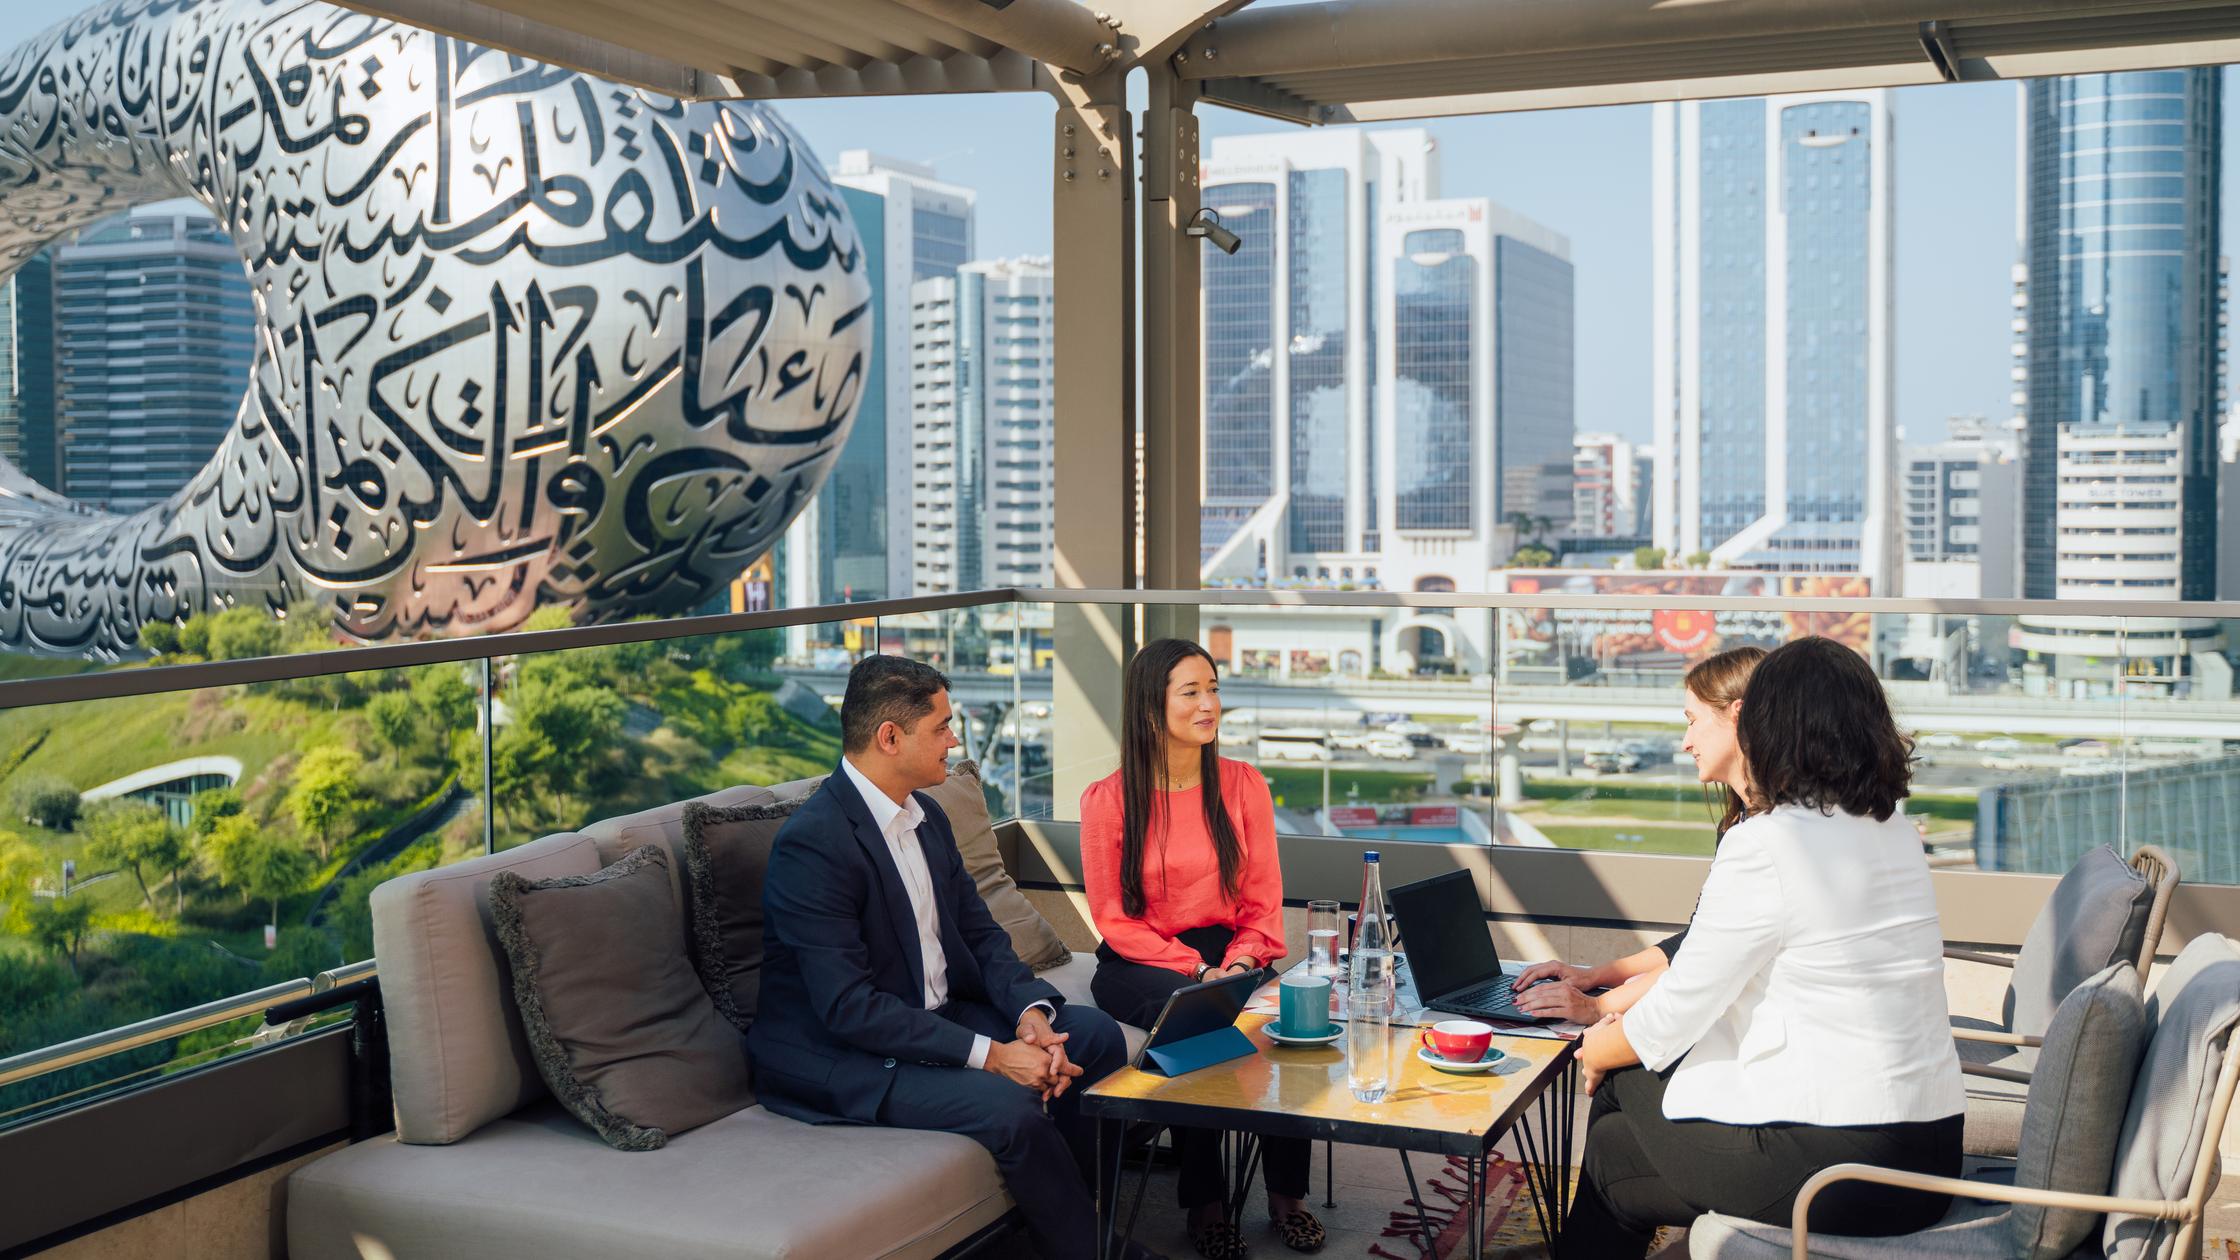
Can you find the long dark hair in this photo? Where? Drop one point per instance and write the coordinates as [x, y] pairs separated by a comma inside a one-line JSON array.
[[1718, 681], [1816, 731], [1143, 769]]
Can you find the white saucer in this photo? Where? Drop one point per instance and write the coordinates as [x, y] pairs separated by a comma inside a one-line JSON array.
[[1493, 1056], [1323, 1039]]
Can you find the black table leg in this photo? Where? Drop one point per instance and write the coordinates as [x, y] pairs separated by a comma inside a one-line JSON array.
[[1329, 1174], [1108, 1183], [1423, 1222], [1476, 1189]]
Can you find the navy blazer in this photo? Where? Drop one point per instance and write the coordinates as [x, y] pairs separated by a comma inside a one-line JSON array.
[[842, 996]]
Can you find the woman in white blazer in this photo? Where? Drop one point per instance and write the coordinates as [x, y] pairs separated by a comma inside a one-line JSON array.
[[1802, 1022]]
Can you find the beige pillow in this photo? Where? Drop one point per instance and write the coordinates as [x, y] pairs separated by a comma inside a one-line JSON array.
[[726, 853], [621, 1030], [1032, 937]]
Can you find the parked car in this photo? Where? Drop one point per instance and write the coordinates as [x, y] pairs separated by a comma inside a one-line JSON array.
[[1349, 738], [1614, 761], [1405, 727], [1941, 739], [1280, 743], [2085, 748], [2005, 763], [1999, 744], [1469, 745], [1391, 748]]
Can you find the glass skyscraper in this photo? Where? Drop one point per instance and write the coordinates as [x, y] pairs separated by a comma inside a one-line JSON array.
[[2124, 298], [1434, 287], [1239, 419], [1772, 324], [853, 541], [27, 370], [153, 320]]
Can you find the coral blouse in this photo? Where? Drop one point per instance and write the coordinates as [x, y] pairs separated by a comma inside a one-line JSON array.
[[1182, 874]]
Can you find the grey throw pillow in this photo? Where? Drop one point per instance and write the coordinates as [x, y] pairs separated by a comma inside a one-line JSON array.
[[726, 854], [2078, 1096], [2097, 916], [962, 799], [2194, 1009], [619, 1026]]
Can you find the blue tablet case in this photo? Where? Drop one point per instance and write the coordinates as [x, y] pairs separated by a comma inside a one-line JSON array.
[[1198, 1027]]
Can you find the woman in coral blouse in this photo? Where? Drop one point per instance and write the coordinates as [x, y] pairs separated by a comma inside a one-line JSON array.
[[1179, 853]]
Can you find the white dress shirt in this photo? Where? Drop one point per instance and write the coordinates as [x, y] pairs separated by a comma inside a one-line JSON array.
[[898, 825], [1810, 989]]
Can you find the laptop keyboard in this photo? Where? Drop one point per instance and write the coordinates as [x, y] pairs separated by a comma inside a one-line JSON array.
[[1498, 993]]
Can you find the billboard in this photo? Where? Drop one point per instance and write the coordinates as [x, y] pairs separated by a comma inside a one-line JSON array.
[[1619, 638]]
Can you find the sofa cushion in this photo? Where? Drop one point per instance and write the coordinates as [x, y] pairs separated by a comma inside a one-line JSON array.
[[2096, 916], [751, 1186], [965, 802], [2193, 1011], [726, 852], [623, 1033], [1073, 979], [457, 1056], [2077, 1098]]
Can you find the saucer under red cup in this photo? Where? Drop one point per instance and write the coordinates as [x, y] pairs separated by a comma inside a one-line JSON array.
[[1458, 1040]]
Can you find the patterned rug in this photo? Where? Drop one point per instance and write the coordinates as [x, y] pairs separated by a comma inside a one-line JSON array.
[[1510, 1222]]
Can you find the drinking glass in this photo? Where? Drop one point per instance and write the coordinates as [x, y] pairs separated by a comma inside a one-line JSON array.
[[1323, 926]]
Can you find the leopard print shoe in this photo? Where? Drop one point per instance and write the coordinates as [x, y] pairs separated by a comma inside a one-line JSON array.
[[1218, 1240], [1302, 1232]]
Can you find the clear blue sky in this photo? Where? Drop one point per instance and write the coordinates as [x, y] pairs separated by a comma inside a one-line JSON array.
[[1584, 173]]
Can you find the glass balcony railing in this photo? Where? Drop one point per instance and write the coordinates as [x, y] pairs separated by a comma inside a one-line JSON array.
[[181, 836]]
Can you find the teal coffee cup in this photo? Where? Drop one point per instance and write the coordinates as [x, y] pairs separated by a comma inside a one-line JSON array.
[[1304, 1006]]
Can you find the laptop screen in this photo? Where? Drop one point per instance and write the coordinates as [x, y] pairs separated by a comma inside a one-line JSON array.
[[1443, 926]]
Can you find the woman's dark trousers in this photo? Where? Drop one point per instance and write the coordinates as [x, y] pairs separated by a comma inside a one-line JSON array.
[[1134, 993]]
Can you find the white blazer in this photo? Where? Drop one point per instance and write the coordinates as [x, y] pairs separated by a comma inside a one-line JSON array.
[[1810, 989]]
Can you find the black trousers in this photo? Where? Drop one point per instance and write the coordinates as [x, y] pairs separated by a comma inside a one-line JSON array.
[[1133, 993], [1047, 1160], [1642, 1170]]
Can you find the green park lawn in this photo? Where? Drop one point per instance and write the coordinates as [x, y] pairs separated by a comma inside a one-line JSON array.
[[1300, 787]]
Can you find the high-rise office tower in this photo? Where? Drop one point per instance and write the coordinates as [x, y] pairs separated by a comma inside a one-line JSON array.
[[853, 539], [1387, 376], [153, 328], [983, 380], [1771, 316], [27, 370], [2121, 365], [1610, 487]]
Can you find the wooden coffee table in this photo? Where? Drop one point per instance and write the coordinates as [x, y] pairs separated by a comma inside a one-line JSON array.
[[1301, 1092]]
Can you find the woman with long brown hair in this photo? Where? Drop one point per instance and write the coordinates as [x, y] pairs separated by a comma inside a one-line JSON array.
[[1178, 850], [1714, 689]]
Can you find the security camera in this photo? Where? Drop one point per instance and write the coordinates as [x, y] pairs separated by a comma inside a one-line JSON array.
[[1206, 225]]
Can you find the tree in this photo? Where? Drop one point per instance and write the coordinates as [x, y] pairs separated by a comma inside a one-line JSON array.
[[326, 797], [59, 925], [239, 633], [160, 637], [395, 721], [46, 801], [136, 837], [1646, 558], [553, 739], [444, 697], [194, 635], [211, 804], [260, 863]]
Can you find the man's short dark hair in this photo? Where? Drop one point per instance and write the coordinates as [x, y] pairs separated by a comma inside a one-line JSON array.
[[885, 689]]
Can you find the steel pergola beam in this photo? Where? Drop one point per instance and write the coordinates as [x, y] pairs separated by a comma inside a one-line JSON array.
[[1350, 34], [1058, 33], [494, 27]]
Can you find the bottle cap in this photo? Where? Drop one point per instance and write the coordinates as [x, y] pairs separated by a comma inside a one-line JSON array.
[[1370, 856]]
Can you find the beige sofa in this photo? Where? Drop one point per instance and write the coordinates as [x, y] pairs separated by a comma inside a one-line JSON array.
[[484, 1162]]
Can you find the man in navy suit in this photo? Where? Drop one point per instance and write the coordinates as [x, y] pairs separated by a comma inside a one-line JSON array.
[[889, 994]]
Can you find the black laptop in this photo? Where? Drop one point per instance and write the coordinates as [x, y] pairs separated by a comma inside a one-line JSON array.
[[1451, 953]]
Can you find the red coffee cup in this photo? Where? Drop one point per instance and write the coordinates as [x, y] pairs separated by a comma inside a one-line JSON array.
[[1457, 1040]]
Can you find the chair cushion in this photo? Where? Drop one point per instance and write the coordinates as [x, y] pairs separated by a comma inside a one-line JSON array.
[[623, 1033], [2192, 1014], [2096, 916], [1970, 1231], [726, 852], [457, 1056], [751, 1186], [963, 800], [2077, 1098], [1994, 1119]]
